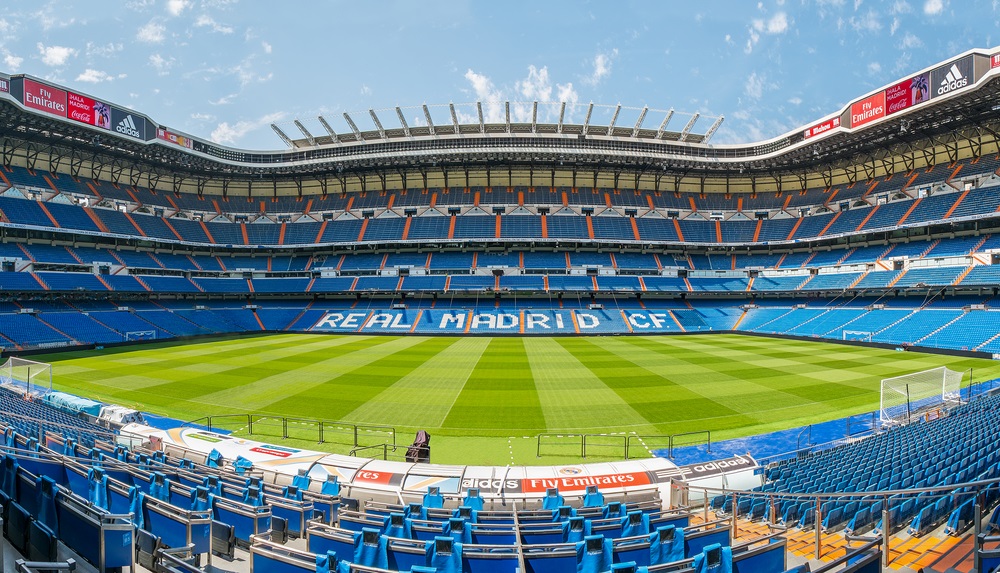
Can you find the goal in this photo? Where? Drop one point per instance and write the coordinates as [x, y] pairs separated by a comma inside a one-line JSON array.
[[140, 335], [27, 375], [857, 335], [904, 398]]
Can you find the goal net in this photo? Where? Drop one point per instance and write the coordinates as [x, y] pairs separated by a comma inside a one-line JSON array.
[[857, 335], [140, 335], [903, 398], [27, 375]]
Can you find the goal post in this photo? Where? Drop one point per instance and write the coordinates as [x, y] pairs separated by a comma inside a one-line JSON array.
[[140, 335], [26, 374], [903, 398], [857, 335]]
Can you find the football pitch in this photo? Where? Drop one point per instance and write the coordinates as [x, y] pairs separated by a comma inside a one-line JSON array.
[[484, 400]]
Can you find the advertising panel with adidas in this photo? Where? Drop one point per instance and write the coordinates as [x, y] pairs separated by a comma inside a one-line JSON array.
[[128, 124], [952, 77]]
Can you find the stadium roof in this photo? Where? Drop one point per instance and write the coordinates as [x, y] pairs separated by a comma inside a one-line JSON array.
[[939, 113], [504, 118]]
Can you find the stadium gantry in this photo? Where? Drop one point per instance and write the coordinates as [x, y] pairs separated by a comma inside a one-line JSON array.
[[876, 225]]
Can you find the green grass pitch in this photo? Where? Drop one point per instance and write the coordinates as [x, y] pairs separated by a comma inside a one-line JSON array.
[[484, 400]]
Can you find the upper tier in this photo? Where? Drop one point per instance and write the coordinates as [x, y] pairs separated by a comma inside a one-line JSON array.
[[962, 190]]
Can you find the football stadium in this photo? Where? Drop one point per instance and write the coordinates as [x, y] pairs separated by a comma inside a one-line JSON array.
[[493, 346]]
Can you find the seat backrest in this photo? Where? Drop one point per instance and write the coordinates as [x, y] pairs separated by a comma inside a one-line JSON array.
[[146, 546]]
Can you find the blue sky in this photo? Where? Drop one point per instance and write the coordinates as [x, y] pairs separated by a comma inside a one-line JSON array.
[[225, 69]]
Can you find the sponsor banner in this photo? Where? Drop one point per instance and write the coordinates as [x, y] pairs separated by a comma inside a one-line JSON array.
[[995, 61], [87, 110], [377, 477], [174, 138], [5, 84], [952, 77], [205, 437], [492, 485], [128, 123], [907, 93], [277, 451], [44, 98], [707, 469], [580, 482], [868, 110], [821, 128]]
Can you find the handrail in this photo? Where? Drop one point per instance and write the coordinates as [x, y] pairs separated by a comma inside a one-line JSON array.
[[830, 566]]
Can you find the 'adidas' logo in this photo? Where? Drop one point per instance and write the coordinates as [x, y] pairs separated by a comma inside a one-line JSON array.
[[127, 126], [954, 74], [953, 80]]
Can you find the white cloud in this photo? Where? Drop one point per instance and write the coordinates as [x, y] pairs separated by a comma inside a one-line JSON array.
[[776, 24], [224, 100], [225, 133], [51, 17], [204, 21], [894, 26], [566, 93], [160, 64], [139, 5], [92, 76], [795, 100], [152, 33], [176, 7], [910, 41], [751, 41], [901, 7], [13, 62], [365, 90], [602, 67], [537, 86], [55, 56], [202, 117], [482, 86], [874, 68], [103, 51], [754, 87], [933, 7], [868, 22], [266, 46]]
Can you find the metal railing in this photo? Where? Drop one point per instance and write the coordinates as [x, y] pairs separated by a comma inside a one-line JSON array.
[[693, 495], [671, 442], [585, 442], [321, 431]]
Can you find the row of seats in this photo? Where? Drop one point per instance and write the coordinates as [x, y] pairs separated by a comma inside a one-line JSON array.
[[486, 196], [481, 225], [877, 281], [23, 254]]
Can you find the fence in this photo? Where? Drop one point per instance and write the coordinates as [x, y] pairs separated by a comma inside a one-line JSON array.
[[321, 431], [579, 445], [649, 444]]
